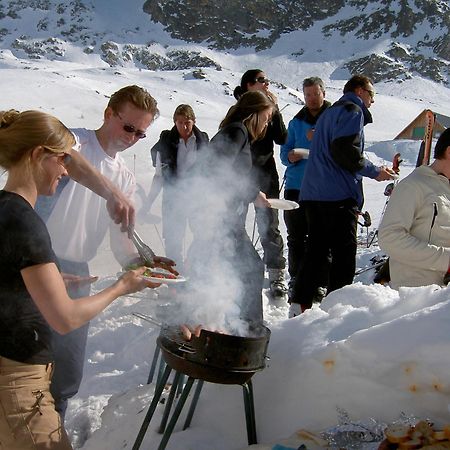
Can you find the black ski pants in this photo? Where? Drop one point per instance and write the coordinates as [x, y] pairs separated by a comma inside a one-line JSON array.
[[267, 218], [296, 227], [297, 233], [332, 230]]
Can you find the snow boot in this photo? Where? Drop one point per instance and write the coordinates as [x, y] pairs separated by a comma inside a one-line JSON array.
[[295, 310], [278, 289], [320, 294]]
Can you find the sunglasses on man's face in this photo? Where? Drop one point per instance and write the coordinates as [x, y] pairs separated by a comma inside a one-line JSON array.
[[370, 92], [262, 80], [131, 129]]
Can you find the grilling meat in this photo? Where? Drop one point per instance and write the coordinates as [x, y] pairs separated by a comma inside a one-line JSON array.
[[188, 331]]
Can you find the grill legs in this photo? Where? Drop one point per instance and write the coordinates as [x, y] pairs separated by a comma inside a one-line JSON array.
[[177, 382], [176, 413], [249, 406], [153, 366], [148, 417], [169, 402], [193, 404]]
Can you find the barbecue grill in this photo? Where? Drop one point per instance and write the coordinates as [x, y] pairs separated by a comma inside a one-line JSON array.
[[213, 357]]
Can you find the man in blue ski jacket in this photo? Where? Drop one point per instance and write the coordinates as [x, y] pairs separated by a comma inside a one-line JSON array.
[[331, 191]]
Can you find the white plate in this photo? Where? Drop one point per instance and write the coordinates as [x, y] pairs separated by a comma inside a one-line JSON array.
[[178, 279], [302, 151], [279, 203]]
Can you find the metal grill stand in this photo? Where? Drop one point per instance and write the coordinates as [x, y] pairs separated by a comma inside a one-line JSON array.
[[167, 429]]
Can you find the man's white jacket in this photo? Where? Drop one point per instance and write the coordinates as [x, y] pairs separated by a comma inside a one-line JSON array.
[[415, 229]]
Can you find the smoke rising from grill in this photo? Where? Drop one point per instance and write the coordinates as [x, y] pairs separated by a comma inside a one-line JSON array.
[[215, 196]]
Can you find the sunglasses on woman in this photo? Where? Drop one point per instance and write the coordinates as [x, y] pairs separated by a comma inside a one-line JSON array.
[[262, 80], [131, 129]]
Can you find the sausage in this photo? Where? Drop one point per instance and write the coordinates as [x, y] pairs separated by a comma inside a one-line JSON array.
[[186, 332]]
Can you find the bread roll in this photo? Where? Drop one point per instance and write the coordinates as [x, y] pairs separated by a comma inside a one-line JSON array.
[[397, 433], [446, 430], [438, 446], [439, 435], [412, 444]]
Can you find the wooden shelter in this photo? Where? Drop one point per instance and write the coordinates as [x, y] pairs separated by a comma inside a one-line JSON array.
[[416, 129]]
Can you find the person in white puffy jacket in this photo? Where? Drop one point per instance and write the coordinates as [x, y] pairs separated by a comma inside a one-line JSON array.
[[415, 229]]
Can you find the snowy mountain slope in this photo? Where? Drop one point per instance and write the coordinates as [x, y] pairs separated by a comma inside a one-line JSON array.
[[388, 40]]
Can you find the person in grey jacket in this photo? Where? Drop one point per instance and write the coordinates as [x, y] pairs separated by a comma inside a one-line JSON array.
[[415, 229]]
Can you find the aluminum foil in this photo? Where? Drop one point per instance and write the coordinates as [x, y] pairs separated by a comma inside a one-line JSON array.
[[354, 435], [361, 434]]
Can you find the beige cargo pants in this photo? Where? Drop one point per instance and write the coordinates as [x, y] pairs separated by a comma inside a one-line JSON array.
[[28, 420]]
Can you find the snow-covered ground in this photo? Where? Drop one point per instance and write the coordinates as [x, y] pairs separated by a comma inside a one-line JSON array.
[[371, 351]]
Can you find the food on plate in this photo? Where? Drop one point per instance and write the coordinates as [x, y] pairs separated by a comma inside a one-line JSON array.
[[420, 436], [150, 272], [164, 263], [159, 262], [158, 269]]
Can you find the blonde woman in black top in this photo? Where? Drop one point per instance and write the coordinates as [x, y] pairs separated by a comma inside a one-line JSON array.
[[34, 150]]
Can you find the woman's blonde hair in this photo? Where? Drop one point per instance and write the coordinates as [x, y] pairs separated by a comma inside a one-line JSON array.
[[21, 132], [246, 110]]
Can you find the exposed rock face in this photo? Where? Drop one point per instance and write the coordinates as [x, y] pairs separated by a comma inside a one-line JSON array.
[[145, 57], [231, 24], [260, 23], [378, 68], [38, 48]]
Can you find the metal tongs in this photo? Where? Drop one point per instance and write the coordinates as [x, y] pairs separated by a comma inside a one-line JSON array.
[[145, 252], [147, 318]]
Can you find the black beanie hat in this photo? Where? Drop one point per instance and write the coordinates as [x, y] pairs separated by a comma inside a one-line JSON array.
[[442, 143]]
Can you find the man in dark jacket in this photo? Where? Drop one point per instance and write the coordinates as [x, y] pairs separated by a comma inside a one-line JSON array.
[[331, 191], [174, 157], [266, 175]]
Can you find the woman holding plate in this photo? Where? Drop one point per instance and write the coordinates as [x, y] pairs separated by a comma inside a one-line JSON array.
[[266, 176], [221, 243], [34, 150]]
